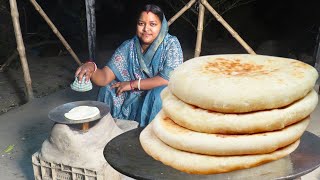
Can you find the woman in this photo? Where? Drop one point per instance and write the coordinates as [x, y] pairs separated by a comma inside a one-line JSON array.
[[138, 70]]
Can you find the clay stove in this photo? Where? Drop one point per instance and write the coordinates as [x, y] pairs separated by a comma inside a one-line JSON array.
[[74, 149]]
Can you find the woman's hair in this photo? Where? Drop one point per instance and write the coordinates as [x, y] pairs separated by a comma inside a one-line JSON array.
[[154, 9]]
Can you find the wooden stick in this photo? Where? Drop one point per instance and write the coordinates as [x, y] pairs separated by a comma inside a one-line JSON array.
[[184, 17], [21, 48], [91, 28], [55, 31], [199, 30], [85, 126], [186, 7], [228, 27]]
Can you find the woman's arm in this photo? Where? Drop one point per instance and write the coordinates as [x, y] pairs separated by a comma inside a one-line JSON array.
[[100, 77], [150, 83], [103, 76], [145, 84]]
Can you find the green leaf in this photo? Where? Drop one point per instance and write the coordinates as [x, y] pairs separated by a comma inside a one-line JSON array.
[[9, 148]]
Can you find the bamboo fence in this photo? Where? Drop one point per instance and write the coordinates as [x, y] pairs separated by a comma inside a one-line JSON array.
[[202, 5]]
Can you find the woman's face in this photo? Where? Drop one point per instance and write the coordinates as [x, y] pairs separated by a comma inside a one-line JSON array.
[[148, 27]]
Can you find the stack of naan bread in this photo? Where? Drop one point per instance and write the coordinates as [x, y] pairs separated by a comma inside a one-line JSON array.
[[227, 112]]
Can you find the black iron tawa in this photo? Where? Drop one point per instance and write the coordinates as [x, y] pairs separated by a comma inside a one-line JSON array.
[[125, 154], [57, 114]]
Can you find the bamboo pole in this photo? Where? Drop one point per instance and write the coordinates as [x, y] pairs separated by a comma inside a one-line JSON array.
[[91, 28], [55, 31], [199, 30], [21, 48], [227, 26], [186, 7]]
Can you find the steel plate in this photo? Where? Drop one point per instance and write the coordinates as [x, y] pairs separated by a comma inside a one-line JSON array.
[[125, 154], [57, 114]]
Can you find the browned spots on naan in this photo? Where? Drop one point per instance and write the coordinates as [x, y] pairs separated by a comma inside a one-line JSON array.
[[172, 126], [235, 67], [297, 73], [300, 65], [299, 68]]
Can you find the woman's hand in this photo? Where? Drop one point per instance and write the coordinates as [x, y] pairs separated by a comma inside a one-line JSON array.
[[121, 87], [87, 69]]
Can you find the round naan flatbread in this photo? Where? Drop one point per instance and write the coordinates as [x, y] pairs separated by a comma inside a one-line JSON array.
[[204, 164], [82, 112], [224, 145], [242, 83], [201, 120]]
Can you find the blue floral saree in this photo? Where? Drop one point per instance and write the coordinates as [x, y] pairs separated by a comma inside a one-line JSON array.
[[128, 63]]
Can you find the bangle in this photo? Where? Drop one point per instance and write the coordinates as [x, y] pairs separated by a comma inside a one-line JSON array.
[[131, 83], [95, 65], [139, 83]]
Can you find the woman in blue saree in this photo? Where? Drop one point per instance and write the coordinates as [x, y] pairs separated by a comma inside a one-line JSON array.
[[138, 70]]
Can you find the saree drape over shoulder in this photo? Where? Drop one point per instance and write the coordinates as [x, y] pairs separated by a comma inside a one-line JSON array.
[[128, 63]]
